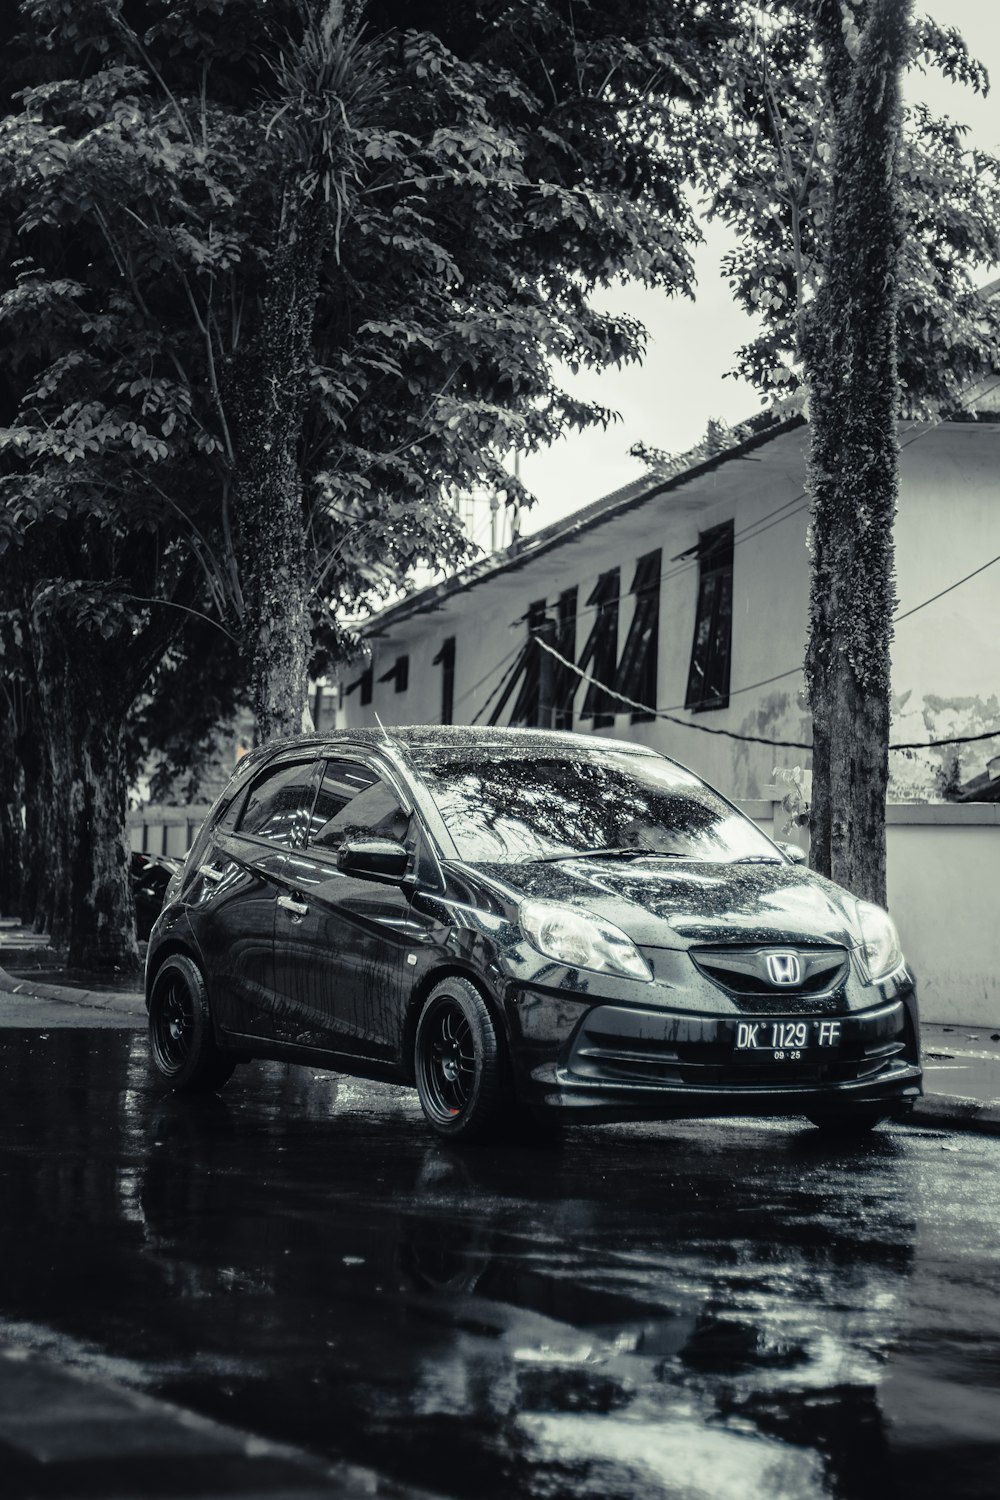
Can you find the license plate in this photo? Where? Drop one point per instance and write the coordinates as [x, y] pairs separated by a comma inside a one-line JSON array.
[[786, 1041]]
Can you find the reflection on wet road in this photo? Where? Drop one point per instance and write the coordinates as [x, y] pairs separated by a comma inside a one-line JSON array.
[[717, 1310]]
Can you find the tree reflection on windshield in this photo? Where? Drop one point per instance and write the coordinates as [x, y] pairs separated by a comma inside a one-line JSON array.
[[516, 807]]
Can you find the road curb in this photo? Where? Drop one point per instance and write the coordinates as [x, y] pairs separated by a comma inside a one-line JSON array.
[[953, 1112], [129, 1002], [60, 1423]]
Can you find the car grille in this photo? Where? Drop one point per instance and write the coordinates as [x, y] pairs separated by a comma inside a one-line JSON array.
[[745, 975], [698, 1053]]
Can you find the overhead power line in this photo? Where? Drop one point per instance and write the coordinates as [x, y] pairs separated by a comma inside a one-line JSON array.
[[732, 734], [796, 504]]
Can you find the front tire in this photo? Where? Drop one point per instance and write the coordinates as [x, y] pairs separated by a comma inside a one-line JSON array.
[[181, 1037], [459, 1063]]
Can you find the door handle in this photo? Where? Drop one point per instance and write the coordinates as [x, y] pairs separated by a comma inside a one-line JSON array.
[[297, 908], [210, 873]]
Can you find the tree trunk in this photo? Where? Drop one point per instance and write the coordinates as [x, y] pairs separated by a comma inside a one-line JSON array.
[[271, 390], [11, 826], [83, 705], [849, 352], [36, 895]]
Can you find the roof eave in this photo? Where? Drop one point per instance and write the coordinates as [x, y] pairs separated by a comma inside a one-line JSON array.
[[528, 549]]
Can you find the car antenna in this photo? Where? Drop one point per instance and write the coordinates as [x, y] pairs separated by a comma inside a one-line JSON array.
[[385, 732]]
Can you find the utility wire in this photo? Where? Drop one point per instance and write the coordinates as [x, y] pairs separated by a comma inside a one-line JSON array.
[[661, 713], [793, 671], [505, 680], [948, 590], [792, 507], [754, 739], [518, 646]]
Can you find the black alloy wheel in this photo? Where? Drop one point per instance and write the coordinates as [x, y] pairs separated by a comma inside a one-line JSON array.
[[459, 1064], [181, 1037]]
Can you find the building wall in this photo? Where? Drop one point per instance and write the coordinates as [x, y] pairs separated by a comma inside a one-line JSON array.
[[943, 867], [946, 656]]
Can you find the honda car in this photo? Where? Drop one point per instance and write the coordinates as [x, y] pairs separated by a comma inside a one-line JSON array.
[[524, 925]]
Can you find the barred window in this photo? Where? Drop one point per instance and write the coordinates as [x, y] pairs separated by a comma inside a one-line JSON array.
[[529, 710], [364, 682], [398, 674], [638, 667], [708, 679], [564, 679], [600, 654], [445, 659]]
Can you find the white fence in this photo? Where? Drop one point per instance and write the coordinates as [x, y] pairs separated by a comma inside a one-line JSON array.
[[155, 829]]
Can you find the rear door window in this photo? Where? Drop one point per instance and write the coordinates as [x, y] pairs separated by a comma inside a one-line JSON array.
[[277, 805]]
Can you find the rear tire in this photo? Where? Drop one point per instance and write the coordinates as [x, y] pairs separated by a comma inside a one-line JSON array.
[[182, 1041], [850, 1123], [460, 1068]]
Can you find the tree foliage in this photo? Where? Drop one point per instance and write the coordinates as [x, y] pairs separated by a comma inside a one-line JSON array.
[[771, 161], [277, 276]]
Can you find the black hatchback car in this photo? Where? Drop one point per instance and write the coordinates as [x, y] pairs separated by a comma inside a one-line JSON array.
[[522, 922]]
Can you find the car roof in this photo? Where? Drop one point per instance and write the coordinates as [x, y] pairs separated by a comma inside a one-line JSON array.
[[447, 736]]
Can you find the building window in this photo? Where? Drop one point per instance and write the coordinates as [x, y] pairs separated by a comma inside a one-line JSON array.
[[398, 674], [637, 670], [564, 679], [364, 682], [708, 680], [600, 654], [529, 710], [278, 804], [446, 660]]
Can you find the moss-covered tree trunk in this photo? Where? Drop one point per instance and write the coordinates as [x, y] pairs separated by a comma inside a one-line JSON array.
[[271, 391], [849, 352], [84, 701], [36, 886], [11, 805]]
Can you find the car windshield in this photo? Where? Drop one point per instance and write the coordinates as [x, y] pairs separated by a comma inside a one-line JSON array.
[[510, 805]]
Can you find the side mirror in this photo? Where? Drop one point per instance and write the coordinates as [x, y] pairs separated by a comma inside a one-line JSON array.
[[374, 859], [795, 852]]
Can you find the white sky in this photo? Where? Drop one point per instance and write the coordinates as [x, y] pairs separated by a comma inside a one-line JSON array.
[[668, 400]]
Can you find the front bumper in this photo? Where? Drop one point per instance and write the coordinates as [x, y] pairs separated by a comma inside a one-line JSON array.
[[627, 1062]]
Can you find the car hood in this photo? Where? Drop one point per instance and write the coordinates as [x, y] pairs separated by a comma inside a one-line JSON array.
[[686, 902]]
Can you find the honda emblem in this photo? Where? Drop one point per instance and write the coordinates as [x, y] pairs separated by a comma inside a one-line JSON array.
[[784, 968]]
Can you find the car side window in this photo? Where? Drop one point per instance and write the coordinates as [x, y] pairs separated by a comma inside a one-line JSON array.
[[353, 801], [277, 803]]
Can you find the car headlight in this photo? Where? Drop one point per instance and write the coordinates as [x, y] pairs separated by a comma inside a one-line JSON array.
[[880, 952], [581, 940]]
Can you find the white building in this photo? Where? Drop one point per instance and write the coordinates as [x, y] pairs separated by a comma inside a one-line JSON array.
[[688, 594]]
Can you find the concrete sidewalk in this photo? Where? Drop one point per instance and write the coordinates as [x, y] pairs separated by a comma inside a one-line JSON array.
[[961, 1063], [66, 1433], [127, 1000]]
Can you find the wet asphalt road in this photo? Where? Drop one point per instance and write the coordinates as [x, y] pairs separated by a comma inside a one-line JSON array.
[[725, 1310]]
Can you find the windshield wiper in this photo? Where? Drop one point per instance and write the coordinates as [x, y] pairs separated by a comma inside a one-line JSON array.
[[758, 859], [625, 851]]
